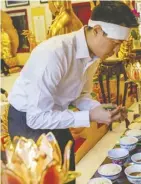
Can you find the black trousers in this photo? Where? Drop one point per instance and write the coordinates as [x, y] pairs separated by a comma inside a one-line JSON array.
[[18, 127]]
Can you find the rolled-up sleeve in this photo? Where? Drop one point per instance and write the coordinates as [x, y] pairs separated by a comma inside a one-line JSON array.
[[41, 90]]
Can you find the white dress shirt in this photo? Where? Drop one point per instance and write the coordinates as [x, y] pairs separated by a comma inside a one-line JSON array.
[[55, 75]]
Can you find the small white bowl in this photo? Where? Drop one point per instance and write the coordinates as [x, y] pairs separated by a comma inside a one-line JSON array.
[[134, 133], [136, 126], [118, 155], [136, 158], [99, 181], [128, 142], [110, 171], [132, 169]]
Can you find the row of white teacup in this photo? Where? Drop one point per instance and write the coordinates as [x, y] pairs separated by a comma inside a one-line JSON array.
[[111, 172], [119, 157]]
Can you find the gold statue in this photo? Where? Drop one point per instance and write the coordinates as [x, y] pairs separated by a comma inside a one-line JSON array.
[[31, 39], [9, 41], [65, 19]]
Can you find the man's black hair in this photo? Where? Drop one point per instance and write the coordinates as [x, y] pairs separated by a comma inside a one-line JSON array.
[[115, 12]]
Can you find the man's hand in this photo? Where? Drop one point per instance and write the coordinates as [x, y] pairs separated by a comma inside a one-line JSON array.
[[123, 113], [100, 115]]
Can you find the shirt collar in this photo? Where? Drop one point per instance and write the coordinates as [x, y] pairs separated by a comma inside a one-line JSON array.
[[81, 45]]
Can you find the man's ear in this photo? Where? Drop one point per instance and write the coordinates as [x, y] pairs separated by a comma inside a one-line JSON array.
[[97, 29]]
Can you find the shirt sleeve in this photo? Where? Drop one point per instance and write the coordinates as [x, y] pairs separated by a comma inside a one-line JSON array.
[[85, 102], [41, 113]]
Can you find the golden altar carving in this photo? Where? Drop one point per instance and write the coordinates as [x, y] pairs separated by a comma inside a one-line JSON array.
[[31, 39], [9, 40]]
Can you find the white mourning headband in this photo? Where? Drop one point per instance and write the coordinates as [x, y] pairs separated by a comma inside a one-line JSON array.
[[113, 31]]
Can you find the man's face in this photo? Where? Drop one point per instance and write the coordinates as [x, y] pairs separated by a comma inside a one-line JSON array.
[[105, 47]]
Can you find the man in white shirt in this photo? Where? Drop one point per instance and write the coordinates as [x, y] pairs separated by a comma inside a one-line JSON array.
[[59, 72]]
